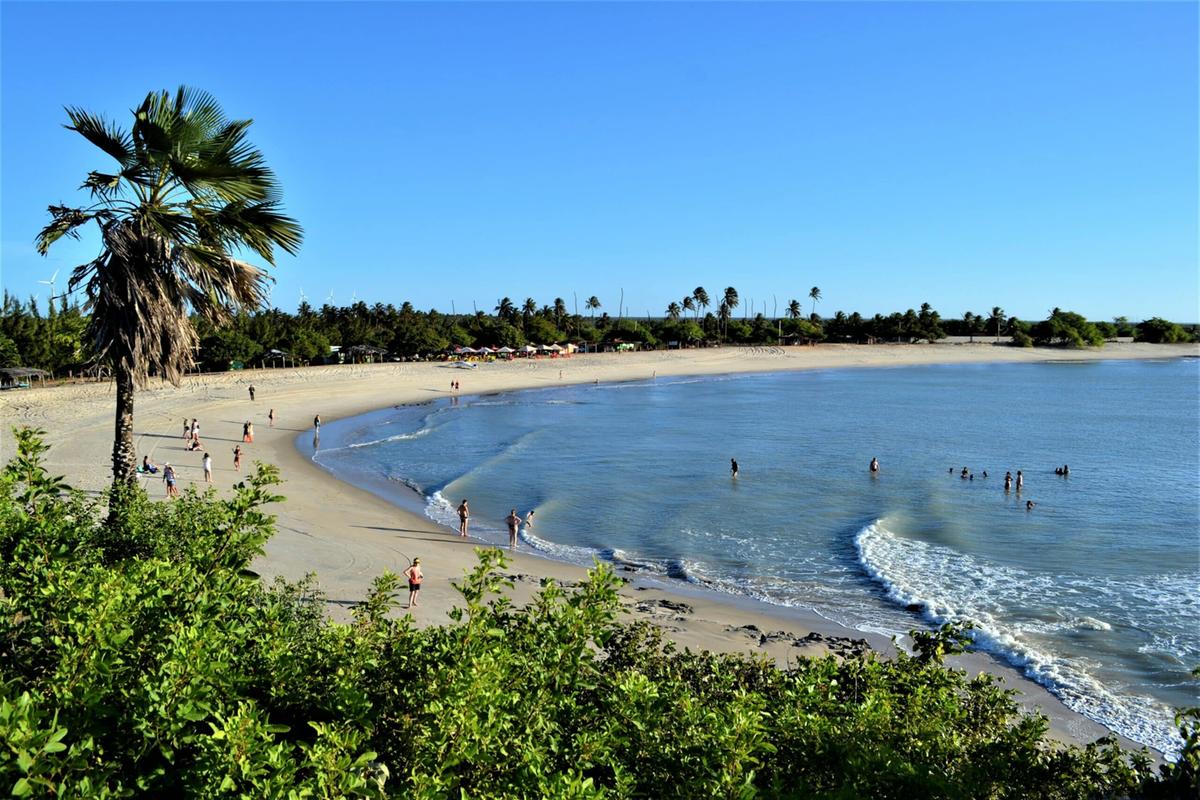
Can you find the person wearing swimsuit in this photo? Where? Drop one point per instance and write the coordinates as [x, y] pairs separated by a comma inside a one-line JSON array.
[[464, 516], [514, 521], [413, 573]]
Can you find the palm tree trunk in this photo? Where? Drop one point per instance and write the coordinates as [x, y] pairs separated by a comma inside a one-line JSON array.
[[124, 455]]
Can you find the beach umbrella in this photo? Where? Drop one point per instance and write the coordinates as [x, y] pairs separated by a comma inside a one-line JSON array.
[[553, 348], [506, 350], [485, 351], [528, 349]]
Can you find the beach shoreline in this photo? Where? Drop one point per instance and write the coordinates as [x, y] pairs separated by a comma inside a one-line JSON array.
[[349, 535]]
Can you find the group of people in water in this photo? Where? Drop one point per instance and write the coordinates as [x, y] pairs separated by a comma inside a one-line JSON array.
[[1010, 482], [514, 521]]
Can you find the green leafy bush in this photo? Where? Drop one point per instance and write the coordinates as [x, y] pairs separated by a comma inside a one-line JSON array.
[[144, 659]]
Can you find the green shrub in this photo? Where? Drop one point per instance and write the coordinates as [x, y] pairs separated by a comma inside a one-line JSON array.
[[144, 659]]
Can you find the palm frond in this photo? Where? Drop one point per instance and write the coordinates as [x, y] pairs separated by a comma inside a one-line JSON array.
[[104, 134], [260, 227], [101, 185], [64, 221]]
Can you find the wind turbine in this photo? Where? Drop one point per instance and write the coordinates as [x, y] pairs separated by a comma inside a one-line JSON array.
[[303, 296], [50, 283], [329, 299], [354, 297]]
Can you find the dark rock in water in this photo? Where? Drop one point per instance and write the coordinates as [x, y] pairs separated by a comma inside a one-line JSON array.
[[915, 608]]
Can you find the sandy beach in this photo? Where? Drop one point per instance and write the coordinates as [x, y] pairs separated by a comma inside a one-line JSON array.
[[348, 536]]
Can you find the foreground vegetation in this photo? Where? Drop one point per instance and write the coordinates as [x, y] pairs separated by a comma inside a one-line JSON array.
[[140, 657]]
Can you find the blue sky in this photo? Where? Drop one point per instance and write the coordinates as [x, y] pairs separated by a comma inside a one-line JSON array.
[[1026, 155]]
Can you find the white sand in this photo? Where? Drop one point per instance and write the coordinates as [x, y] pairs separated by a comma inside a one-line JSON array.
[[349, 536]]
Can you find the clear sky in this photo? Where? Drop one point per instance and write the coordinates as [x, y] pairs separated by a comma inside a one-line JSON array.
[[1025, 155]]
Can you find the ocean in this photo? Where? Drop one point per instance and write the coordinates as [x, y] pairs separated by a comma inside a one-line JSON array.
[[1094, 593]]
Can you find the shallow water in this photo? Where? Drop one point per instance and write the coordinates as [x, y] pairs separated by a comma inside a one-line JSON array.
[[1095, 593]]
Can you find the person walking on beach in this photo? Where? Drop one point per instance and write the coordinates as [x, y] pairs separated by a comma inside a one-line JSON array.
[[464, 517], [237, 458], [1020, 481], [207, 468], [733, 467], [514, 521], [252, 393], [874, 465], [414, 575], [271, 418], [248, 434], [169, 480]]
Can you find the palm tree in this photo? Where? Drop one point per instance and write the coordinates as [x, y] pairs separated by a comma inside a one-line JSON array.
[[673, 310], [688, 303], [504, 308], [592, 304], [723, 317], [997, 319], [189, 190], [815, 295], [793, 309], [969, 324], [701, 298], [731, 297], [560, 311]]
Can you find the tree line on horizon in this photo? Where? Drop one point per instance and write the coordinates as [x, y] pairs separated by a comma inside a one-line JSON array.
[[55, 338]]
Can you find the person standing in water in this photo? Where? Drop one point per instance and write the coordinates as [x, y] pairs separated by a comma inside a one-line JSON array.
[[317, 423], [1020, 480], [1007, 481], [464, 517], [733, 467], [874, 465], [514, 521], [529, 520], [414, 575]]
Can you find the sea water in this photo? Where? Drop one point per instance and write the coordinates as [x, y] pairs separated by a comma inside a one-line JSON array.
[[1094, 593]]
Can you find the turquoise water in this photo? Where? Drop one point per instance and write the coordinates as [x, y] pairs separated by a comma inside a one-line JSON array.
[[1095, 593]]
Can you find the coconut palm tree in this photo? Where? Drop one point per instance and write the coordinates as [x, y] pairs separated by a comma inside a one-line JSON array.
[[793, 309], [528, 309], [188, 191], [815, 295], [592, 304], [688, 303], [969, 324], [701, 298], [673, 310], [504, 308], [723, 317], [560, 311], [731, 297], [997, 319]]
